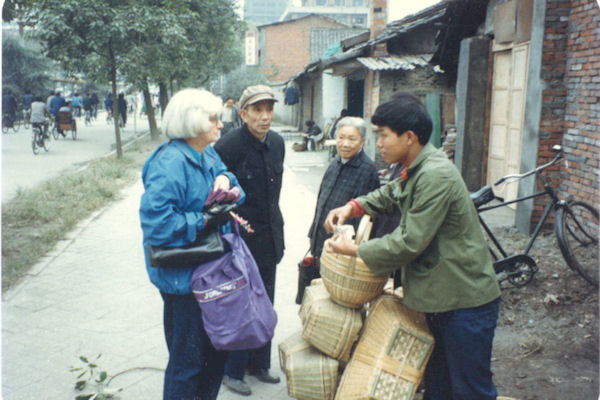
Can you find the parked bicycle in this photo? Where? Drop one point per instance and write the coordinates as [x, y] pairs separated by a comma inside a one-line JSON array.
[[40, 137], [575, 226]]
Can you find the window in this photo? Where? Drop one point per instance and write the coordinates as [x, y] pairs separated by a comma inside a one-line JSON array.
[[358, 3], [321, 2], [358, 20]]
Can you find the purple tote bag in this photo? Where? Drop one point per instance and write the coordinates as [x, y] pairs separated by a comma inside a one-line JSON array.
[[237, 313]]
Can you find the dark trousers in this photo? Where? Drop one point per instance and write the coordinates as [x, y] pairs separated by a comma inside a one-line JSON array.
[[238, 361], [195, 368], [460, 366]]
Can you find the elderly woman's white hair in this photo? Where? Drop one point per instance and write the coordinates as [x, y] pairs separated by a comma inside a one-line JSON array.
[[188, 113], [356, 122]]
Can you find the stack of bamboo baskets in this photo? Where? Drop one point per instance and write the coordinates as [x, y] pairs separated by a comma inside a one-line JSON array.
[[384, 358]]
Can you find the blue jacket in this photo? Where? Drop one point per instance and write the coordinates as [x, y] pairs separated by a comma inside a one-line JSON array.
[[177, 182]]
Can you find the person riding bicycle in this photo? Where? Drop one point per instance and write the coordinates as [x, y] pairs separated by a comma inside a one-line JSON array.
[[56, 103], [87, 106], [108, 104], [9, 108], [76, 103], [65, 110], [39, 112], [27, 100]]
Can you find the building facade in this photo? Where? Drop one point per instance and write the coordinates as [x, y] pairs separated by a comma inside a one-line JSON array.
[[352, 13], [259, 12]]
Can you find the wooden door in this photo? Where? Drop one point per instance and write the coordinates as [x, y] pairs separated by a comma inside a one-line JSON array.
[[509, 84]]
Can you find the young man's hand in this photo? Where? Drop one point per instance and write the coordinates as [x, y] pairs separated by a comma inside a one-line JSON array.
[[337, 216], [342, 245]]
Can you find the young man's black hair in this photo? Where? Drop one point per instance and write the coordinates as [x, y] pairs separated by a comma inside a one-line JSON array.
[[404, 112]]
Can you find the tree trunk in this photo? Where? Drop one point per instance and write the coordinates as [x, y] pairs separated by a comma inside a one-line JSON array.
[[115, 112], [163, 96], [154, 131]]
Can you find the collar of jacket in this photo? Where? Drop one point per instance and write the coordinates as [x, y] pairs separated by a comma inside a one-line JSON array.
[[206, 157], [427, 150], [355, 161], [254, 140]]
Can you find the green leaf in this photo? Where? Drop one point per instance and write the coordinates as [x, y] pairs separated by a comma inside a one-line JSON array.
[[85, 360], [103, 376], [80, 385], [84, 397]]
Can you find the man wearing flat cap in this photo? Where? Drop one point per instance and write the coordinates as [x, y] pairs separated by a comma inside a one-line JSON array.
[[255, 153]]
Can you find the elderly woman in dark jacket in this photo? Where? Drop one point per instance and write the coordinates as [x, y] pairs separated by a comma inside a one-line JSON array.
[[351, 174], [178, 179]]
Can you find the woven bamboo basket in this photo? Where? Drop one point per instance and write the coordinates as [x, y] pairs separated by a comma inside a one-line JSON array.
[[310, 375], [348, 279], [327, 326], [392, 353], [313, 293]]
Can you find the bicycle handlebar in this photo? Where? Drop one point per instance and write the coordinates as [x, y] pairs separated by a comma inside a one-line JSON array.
[[555, 160]]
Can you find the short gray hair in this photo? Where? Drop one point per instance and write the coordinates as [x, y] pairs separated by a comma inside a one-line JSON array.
[[355, 122], [187, 114]]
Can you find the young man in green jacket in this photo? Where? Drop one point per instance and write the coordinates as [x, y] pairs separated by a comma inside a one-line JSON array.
[[439, 247]]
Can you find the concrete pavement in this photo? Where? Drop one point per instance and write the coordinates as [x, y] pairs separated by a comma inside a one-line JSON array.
[[91, 296]]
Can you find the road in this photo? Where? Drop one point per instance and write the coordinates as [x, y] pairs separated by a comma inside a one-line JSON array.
[[22, 169]]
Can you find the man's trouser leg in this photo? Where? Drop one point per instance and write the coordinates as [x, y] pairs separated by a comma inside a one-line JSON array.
[[460, 366]]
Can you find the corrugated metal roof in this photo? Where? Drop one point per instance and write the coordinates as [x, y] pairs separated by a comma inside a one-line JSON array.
[[406, 62]]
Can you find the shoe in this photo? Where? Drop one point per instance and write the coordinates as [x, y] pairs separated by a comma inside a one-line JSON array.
[[262, 374], [237, 386]]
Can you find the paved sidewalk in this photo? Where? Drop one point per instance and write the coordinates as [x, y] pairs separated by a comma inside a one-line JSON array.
[[91, 296]]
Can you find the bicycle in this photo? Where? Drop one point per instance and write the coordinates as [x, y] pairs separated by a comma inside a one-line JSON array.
[[575, 227], [40, 137], [88, 117], [54, 129], [7, 125]]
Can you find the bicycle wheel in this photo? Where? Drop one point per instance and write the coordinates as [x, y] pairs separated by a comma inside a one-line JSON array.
[[55, 133], [16, 125], [35, 142], [577, 233], [46, 143]]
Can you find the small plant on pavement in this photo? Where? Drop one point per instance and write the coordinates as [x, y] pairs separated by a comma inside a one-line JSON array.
[[93, 380]]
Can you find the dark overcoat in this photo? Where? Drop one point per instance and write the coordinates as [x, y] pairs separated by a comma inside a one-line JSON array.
[[341, 182], [259, 169]]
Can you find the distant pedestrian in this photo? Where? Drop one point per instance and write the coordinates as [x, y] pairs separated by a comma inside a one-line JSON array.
[[255, 153], [95, 102], [108, 105], [312, 135], [122, 106], [178, 178], [230, 117]]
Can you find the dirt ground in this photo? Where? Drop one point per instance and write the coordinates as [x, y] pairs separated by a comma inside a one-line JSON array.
[[546, 344]]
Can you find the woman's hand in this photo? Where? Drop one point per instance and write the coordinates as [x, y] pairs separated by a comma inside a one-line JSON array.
[[342, 245], [221, 182], [337, 216]]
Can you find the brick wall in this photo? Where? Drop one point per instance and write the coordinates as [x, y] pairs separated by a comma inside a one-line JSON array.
[[582, 114], [570, 110], [286, 49]]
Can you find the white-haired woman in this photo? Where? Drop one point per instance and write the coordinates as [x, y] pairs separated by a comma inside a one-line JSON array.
[[178, 178], [351, 174]]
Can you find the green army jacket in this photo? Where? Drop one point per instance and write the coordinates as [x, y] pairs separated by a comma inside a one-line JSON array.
[[438, 244]]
